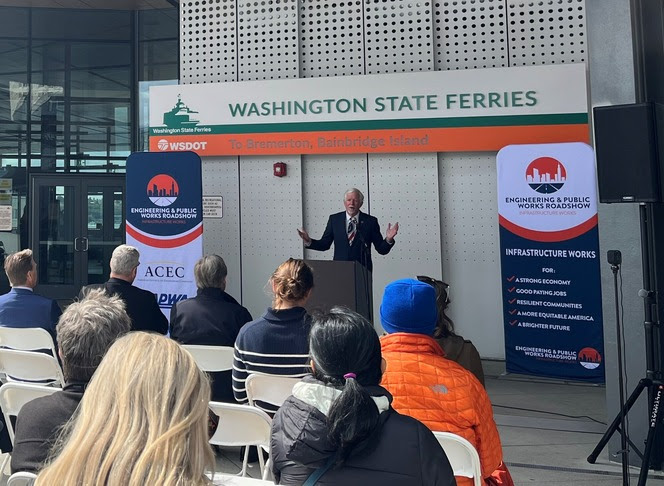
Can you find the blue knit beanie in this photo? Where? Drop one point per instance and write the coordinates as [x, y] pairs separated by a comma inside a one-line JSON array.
[[409, 306]]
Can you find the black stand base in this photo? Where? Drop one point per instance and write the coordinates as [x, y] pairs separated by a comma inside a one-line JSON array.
[[655, 388]]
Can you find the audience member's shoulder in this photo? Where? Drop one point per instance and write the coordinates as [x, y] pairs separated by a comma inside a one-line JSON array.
[[251, 327]]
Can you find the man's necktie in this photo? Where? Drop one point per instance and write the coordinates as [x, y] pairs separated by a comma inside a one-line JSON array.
[[352, 229]]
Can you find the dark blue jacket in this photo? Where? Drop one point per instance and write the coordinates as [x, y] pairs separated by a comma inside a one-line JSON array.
[[212, 318], [23, 308], [360, 251]]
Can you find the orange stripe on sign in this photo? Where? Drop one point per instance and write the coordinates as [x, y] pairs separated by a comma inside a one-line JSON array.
[[469, 139], [548, 236]]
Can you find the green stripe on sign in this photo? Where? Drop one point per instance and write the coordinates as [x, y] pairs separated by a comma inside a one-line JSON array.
[[326, 126]]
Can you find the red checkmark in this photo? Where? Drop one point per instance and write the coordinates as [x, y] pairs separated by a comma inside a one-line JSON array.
[[512, 289], [513, 311], [513, 322], [512, 301], [509, 279]]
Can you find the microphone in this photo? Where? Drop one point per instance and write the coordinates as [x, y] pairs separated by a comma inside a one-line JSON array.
[[359, 233], [645, 294]]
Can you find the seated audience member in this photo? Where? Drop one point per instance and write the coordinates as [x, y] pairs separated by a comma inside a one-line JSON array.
[[21, 307], [143, 420], [339, 423], [277, 343], [425, 385], [141, 304], [212, 318], [455, 347], [86, 331]]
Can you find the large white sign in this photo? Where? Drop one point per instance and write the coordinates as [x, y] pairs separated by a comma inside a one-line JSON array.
[[404, 112]]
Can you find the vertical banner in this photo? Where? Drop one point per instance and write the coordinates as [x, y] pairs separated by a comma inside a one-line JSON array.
[[547, 205], [165, 222]]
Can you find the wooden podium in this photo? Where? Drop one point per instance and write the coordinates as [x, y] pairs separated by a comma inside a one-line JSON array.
[[341, 283]]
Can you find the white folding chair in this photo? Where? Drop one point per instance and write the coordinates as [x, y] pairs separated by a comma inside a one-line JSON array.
[[12, 398], [14, 395], [211, 358], [21, 479], [230, 480], [26, 339], [242, 425], [269, 388], [30, 366], [463, 457]]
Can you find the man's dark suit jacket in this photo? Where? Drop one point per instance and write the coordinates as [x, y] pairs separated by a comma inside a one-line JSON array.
[[141, 304], [360, 251], [212, 318], [23, 308]]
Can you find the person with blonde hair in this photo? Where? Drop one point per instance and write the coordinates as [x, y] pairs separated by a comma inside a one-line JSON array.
[[278, 342], [142, 420]]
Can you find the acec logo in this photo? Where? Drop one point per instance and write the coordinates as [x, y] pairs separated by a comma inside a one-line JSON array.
[[162, 144]]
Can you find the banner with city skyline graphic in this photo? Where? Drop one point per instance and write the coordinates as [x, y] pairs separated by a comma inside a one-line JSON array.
[[549, 244], [164, 221]]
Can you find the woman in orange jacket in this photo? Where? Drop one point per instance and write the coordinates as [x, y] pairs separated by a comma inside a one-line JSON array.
[[431, 388]]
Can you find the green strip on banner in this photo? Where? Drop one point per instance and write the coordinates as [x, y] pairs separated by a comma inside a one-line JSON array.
[[462, 122]]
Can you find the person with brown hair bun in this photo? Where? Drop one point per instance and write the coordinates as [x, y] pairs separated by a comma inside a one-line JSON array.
[[277, 342]]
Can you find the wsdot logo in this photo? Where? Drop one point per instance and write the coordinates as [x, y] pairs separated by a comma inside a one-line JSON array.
[[162, 144]]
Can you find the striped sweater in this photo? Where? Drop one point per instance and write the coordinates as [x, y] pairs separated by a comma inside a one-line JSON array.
[[275, 344]]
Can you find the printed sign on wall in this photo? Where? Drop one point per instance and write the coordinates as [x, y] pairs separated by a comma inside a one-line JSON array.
[[547, 205], [436, 111], [165, 222]]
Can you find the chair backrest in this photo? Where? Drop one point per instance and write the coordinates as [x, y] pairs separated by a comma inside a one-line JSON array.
[[233, 480], [241, 425], [30, 366], [211, 358], [26, 339], [14, 395], [21, 478], [269, 388], [462, 455]]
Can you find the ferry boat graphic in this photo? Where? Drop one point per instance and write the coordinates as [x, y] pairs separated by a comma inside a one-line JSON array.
[[180, 116]]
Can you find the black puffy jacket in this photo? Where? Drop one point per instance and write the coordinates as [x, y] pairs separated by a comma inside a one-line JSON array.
[[402, 451]]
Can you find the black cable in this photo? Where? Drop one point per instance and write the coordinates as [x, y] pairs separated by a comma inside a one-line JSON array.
[[551, 413]]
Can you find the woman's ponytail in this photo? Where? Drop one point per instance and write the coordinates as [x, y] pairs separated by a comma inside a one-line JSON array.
[[346, 353], [352, 418]]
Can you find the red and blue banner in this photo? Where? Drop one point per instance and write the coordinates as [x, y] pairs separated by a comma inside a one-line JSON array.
[[552, 308], [165, 222]]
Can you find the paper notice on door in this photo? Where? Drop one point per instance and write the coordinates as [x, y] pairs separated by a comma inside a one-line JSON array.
[[5, 218]]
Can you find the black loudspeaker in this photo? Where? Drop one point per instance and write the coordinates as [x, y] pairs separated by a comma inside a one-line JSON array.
[[629, 163]]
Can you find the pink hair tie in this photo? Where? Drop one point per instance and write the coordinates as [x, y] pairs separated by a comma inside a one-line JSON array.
[[350, 375]]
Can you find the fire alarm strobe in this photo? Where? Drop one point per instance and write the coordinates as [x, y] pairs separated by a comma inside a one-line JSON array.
[[279, 169]]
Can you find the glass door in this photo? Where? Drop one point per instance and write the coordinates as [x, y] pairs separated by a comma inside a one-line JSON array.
[[77, 221]]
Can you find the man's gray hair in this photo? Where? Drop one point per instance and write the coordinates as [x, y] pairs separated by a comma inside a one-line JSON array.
[[86, 330], [211, 271], [124, 260], [356, 191]]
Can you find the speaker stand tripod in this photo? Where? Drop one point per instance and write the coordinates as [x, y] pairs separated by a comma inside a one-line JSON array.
[[652, 456]]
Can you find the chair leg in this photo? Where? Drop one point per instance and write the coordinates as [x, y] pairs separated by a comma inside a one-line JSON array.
[[243, 472], [267, 472], [4, 463], [261, 461]]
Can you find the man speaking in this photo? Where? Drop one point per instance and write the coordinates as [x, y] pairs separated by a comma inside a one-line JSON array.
[[352, 233]]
